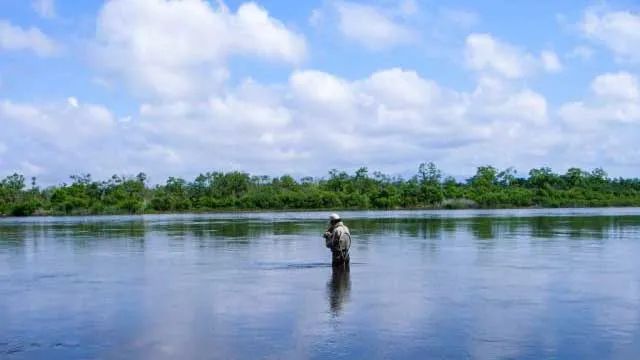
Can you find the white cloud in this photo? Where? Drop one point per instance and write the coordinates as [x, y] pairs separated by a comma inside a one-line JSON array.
[[45, 8], [512, 106], [15, 38], [484, 52], [401, 88], [583, 52], [57, 139], [390, 24], [619, 31], [72, 124], [550, 61], [30, 168], [614, 102], [391, 118], [316, 18], [373, 26], [316, 87], [178, 49], [73, 102], [617, 86]]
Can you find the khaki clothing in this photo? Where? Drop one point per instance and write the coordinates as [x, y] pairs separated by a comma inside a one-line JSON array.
[[338, 240]]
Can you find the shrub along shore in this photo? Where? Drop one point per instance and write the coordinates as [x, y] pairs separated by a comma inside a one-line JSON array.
[[238, 191]]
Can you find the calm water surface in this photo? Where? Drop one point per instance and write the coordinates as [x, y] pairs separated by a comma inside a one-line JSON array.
[[526, 284]]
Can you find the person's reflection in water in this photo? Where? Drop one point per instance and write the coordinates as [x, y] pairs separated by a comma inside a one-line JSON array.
[[339, 288]]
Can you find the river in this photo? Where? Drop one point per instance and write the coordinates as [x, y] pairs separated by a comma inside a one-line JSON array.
[[503, 284]]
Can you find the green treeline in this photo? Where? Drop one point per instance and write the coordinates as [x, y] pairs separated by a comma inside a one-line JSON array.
[[217, 191]]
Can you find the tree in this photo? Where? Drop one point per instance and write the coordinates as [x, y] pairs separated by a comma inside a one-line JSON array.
[[489, 187], [485, 178], [429, 173]]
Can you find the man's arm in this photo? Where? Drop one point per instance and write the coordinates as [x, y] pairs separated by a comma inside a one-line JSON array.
[[327, 233], [328, 238]]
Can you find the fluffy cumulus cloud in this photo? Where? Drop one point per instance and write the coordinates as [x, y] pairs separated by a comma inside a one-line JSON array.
[[173, 59], [373, 26], [32, 39], [603, 127], [487, 53], [614, 101], [550, 61], [42, 138], [178, 49], [617, 30], [391, 24], [391, 118]]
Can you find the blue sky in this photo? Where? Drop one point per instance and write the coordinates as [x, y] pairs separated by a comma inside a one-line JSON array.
[[175, 88]]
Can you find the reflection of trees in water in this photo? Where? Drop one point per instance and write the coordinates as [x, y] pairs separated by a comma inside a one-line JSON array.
[[573, 227], [90, 234], [77, 234], [286, 228], [13, 237], [543, 226], [228, 233], [426, 228], [486, 227], [339, 289], [432, 229], [217, 233], [482, 228], [598, 227], [228, 228]]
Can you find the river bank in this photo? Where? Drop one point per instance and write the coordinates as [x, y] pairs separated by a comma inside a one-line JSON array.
[[467, 205]]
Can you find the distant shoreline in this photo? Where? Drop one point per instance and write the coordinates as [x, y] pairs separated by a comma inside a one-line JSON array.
[[240, 192], [266, 211]]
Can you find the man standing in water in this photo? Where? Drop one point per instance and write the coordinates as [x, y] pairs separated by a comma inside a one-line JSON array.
[[338, 239]]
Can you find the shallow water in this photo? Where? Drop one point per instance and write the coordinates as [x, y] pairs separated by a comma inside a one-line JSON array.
[[524, 284]]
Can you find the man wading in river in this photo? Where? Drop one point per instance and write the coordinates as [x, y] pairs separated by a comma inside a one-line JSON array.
[[338, 239]]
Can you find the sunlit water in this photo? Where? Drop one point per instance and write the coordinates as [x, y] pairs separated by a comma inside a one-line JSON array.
[[526, 284]]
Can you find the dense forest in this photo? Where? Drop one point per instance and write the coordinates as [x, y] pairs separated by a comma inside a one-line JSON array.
[[217, 191]]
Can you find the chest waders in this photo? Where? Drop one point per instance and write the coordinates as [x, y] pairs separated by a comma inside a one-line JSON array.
[[342, 257]]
